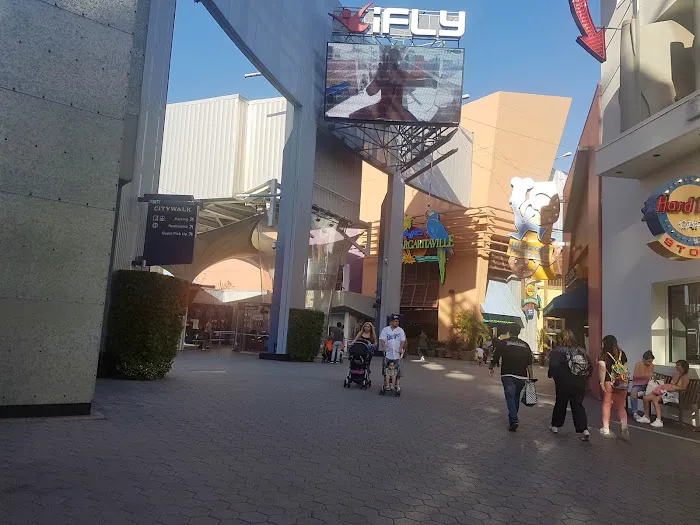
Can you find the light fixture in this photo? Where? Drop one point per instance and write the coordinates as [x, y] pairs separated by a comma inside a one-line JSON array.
[[567, 154], [657, 154], [251, 75], [618, 172], [466, 96]]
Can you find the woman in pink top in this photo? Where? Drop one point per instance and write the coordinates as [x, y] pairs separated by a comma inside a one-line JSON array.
[[643, 373]]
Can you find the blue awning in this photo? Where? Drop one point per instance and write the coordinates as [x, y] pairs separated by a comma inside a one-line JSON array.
[[571, 302], [499, 306]]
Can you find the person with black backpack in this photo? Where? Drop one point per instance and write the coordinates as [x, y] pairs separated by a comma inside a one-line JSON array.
[[570, 367]]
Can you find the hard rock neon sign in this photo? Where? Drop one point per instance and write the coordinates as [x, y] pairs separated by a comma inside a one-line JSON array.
[[673, 217]]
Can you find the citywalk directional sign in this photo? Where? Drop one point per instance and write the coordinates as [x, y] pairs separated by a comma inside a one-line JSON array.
[[171, 230]]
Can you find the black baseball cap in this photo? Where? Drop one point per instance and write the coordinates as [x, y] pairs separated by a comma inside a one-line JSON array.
[[394, 317]]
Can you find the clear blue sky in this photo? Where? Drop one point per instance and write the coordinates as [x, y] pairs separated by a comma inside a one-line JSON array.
[[510, 45]]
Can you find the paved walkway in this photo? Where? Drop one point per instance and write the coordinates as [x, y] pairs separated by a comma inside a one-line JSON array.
[[231, 439]]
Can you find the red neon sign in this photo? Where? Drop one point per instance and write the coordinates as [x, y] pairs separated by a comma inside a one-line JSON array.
[[592, 39], [353, 23], [664, 205]]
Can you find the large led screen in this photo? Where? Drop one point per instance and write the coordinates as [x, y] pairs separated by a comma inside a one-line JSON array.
[[394, 83]]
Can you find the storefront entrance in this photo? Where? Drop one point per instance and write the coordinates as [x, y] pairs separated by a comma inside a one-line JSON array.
[[684, 315]]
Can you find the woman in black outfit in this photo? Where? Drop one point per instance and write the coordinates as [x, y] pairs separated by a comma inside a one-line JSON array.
[[570, 381], [369, 337]]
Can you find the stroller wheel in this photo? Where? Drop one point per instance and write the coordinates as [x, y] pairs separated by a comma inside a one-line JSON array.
[[345, 384], [381, 391], [369, 383], [397, 393]]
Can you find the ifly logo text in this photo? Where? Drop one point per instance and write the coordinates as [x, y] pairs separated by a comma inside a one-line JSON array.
[[386, 21]]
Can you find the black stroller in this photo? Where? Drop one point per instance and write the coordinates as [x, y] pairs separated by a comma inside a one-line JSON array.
[[360, 356]]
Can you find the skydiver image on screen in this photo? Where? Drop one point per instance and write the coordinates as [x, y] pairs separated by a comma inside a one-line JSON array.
[[393, 83], [389, 81]]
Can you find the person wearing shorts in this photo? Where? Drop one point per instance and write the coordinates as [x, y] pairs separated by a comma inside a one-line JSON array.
[[613, 398], [392, 341]]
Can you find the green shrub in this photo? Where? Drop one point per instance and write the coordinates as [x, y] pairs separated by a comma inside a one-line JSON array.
[[144, 324], [305, 333]]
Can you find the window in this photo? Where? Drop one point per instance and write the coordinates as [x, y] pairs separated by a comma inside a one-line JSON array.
[[684, 322], [554, 325]]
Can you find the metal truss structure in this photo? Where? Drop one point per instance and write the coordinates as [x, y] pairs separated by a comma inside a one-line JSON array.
[[390, 40], [218, 212], [396, 147]]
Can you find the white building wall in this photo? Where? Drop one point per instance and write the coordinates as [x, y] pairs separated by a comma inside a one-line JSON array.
[[201, 150], [223, 146], [635, 278], [612, 15], [264, 144], [635, 307]]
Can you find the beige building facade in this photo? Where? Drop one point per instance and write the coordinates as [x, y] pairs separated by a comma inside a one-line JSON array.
[[514, 135]]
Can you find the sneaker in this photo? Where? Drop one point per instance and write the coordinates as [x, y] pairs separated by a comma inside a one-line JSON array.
[[605, 432], [658, 423], [625, 434], [644, 419], [554, 430], [513, 427], [422, 358], [586, 436], [637, 417]]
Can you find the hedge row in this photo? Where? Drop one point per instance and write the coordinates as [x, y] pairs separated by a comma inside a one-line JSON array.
[[305, 334], [144, 324]]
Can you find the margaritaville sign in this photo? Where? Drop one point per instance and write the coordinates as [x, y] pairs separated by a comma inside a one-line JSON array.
[[434, 237], [673, 216], [415, 244]]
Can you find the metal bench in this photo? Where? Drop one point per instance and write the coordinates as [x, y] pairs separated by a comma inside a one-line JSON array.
[[688, 399]]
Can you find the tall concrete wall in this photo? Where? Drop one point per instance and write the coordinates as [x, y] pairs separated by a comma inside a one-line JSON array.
[[71, 86]]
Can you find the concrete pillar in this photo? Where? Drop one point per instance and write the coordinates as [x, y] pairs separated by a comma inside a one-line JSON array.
[[347, 329], [390, 259], [630, 95], [66, 152], [292, 248], [346, 277]]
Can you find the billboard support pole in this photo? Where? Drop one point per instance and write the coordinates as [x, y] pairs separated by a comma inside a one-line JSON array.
[[391, 254]]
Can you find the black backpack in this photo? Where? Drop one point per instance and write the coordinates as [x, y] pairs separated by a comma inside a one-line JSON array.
[[578, 362]]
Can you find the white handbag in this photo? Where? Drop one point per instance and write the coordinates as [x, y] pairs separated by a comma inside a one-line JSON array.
[[529, 395], [651, 385]]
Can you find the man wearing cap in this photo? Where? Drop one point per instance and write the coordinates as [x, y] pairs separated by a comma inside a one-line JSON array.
[[392, 341]]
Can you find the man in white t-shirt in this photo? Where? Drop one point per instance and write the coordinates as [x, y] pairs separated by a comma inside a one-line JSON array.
[[392, 341]]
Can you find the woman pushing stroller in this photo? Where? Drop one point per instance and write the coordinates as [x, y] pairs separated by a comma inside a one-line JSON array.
[[368, 336]]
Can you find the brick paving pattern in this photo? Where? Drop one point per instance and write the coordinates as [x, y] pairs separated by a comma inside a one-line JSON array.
[[234, 440]]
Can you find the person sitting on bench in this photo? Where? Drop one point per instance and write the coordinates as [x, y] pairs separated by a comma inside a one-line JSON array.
[[668, 393]]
